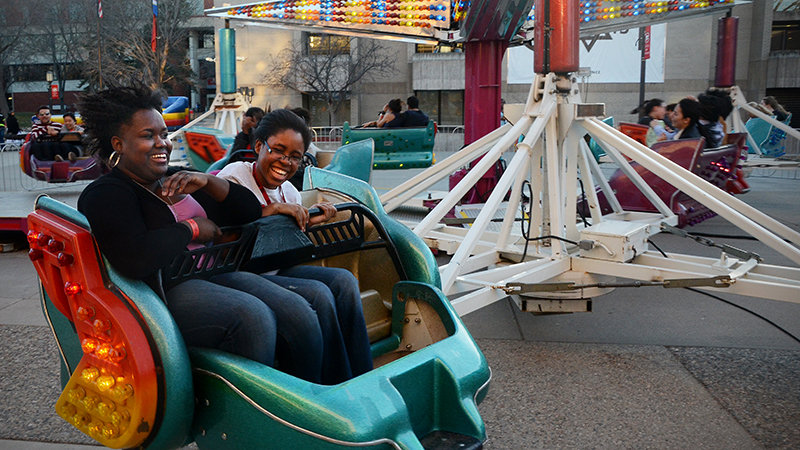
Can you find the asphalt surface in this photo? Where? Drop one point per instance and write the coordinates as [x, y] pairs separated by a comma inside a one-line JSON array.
[[647, 369]]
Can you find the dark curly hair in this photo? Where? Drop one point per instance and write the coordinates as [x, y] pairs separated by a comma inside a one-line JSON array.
[[279, 120], [106, 111]]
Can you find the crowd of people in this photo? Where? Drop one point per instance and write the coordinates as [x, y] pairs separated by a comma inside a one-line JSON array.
[[694, 117]]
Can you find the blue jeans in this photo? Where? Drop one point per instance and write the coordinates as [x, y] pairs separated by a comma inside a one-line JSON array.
[[299, 349], [335, 295], [210, 315]]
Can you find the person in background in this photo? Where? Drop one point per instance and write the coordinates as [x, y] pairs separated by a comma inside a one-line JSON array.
[[44, 127], [250, 120], [654, 116], [306, 116], [413, 117], [687, 119], [2, 129], [771, 104], [758, 107], [333, 293], [71, 125], [143, 216], [390, 117], [12, 124]]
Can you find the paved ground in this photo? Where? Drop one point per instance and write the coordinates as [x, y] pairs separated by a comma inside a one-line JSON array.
[[649, 368]]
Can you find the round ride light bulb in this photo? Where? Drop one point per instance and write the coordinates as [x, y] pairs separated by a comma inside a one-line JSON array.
[[42, 239], [85, 313], [120, 417], [106, 408], [72, 288], [105, 383], [90, 374], [110, 431], [103, 350], [101, 326], [31, 236], [65, 259], [35, 254], [117, 354], [91, 402], [80, 419], [122, 393], [55, 246], [95, 429], [89, 345], [76, 395], [68, 410]]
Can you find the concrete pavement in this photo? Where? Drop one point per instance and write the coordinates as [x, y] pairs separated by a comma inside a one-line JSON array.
[[649, 368]]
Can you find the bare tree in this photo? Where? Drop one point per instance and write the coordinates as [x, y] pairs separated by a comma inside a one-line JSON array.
[[126, 29], [329, 70], [15, 46]]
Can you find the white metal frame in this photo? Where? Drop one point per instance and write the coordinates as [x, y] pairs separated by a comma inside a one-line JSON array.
[[485, 264], [739, 101]]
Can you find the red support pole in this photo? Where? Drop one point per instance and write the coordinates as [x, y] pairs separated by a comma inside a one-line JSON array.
[[483, 71], [726, 52]]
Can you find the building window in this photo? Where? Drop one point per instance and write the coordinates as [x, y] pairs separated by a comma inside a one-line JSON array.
[[320, 116], [785, 36], [440, 48], [327, 44], [206, 41], [445, 107]]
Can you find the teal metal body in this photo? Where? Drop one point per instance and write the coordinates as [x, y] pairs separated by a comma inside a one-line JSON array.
[[769, 139], [223, 401], [396, 148]]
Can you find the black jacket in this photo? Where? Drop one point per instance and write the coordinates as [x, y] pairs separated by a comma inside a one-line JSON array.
[[136, 230]]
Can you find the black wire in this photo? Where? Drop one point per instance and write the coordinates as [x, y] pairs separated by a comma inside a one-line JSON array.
[[731, 303], [746, 310], [657, 248]]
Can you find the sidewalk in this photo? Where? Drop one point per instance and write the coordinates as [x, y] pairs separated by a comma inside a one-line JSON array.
[[648, 368]]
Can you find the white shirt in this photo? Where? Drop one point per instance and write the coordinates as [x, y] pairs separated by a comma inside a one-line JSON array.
[[242, 173]]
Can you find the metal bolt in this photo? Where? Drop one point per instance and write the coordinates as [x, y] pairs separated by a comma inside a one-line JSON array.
[[224, 436], [202, 432], [408, 346], [418, 320], [406, 320]]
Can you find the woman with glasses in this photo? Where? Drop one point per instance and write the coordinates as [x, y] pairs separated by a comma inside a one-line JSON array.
[[281, 139]]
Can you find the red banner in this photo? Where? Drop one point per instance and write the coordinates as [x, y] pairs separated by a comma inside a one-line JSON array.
[[647, 42], [54, 91]]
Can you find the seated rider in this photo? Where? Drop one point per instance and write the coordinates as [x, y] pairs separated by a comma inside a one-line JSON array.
[[390, 117], [250, 120], [413, 117], [45, 128], [280, 141], [143, 217]]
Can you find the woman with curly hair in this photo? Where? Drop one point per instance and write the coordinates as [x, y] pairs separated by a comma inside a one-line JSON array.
[[143, 214]]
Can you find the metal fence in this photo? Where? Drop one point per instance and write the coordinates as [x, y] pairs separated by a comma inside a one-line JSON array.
[[12, 178]]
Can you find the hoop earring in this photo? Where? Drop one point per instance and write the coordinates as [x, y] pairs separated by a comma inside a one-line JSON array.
[[114, 158]]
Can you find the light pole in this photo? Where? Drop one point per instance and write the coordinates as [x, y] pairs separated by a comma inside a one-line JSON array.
[[49, 78]]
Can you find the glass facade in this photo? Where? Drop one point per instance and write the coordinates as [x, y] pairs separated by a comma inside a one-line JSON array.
[[444, 107]]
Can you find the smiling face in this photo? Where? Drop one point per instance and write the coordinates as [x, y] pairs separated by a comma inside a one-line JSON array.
[[143, 147], [44, 116], [69, 123], [272, 169]]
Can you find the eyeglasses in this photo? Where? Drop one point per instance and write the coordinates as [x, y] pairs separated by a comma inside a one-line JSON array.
[[282, 156]]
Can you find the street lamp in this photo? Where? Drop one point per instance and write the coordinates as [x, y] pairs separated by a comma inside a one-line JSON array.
[[49, 78]]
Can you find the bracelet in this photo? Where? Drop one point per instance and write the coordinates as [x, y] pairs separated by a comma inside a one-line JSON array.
[[195, 228]]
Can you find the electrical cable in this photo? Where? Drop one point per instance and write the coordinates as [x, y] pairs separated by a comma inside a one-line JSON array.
[[526, 233], [730, 302], [586, 200]]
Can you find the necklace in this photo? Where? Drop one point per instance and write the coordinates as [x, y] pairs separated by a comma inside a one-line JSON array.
[[168, 201]]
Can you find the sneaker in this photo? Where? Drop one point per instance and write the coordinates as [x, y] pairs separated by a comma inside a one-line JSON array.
[[58, 158], [72, 156]]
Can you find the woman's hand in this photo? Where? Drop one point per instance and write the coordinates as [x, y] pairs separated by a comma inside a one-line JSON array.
[[208, 229], [328, 211], [187, 182], [299, 213]]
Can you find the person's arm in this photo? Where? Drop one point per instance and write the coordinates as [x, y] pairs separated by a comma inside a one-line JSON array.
[[385, 118], [240, 206], [116, 216]]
